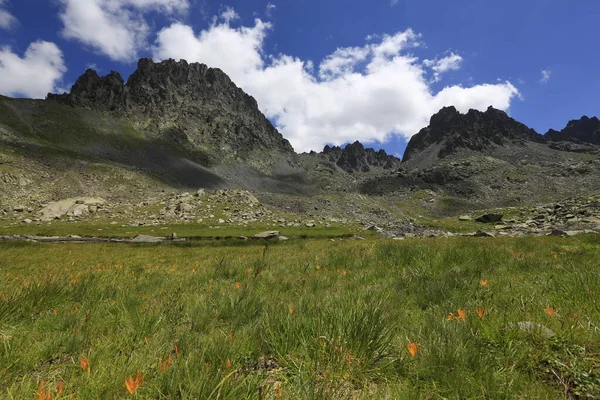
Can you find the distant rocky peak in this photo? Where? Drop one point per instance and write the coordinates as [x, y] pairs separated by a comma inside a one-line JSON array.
[[187, 102], [583, 130], [449, 132], [354, 157]]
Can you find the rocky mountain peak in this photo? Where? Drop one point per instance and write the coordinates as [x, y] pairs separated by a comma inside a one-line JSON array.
[[354, 157], [450, 132], [196, 105], [583, 130]]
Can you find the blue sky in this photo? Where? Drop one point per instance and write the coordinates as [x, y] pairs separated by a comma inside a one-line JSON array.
[[329, 71]]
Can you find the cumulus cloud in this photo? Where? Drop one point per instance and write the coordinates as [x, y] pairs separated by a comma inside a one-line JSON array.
[[449, 63], [33, 75], [545, 76], [364, 93], [7, 20], [115, 28]]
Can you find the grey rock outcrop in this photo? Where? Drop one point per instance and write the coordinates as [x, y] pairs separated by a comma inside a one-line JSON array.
[[186, 104], [583, 130], [356, 158], [449, 132]]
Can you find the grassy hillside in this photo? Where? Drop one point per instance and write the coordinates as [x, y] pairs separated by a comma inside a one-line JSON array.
[[313, 319]]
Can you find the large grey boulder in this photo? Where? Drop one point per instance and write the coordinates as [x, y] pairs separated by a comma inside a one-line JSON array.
[[267, 235]]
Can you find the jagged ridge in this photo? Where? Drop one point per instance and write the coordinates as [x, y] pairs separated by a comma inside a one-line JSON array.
[[188, 103], [355, 157], [475, 130]]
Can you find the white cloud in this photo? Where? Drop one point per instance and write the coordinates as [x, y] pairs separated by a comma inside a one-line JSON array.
[[270, 8], [545, 76], [33, 75], [229, 15], [439, 66], [364, 93], [116, 28], [393, 2], [7, 20]]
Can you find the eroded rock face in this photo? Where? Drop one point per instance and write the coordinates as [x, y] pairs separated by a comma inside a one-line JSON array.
[[356, 158], [584, 130], [450, 131], [187, 104]]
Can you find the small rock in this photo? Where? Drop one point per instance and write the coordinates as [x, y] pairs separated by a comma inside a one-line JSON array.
[[19, 208], [173, 236], [27, 221], [359, 238], [283, 238], [465, 218], [482, 234], [557, 232]]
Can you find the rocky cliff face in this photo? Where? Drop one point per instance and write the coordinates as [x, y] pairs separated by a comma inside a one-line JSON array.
[[189, 104], [356, 158], [450, 132], [584, 130]]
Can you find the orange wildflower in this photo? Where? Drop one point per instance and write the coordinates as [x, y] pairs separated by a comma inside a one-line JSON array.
[[164, 365], [43, 395], [60, 387], [85, 364], [133, 384], [55, 311], [278, 389], [238, 285], [292, 309], [461, 314], [231, 336], [550, 311], [480, 312], [345, 272], [413, 348], [318, 267], [228, 363], [194, 270], [483, 282]]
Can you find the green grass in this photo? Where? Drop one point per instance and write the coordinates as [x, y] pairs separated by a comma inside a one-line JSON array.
[[356, 306]]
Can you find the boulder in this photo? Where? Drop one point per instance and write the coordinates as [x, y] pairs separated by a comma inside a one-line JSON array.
[[71, 207], [147, 239], [489, 218], [266, 235]]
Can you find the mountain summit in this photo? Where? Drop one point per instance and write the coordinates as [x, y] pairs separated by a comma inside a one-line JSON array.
[[450, 132], [188, 103]]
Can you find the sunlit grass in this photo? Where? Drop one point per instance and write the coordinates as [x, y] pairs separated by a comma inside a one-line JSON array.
[[309, 319]]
